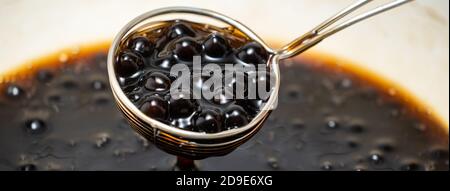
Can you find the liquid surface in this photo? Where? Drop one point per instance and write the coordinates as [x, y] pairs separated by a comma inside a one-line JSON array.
[[60, 115]]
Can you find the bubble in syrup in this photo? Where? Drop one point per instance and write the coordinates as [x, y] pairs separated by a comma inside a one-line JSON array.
[[35, 126], [346, 83], [376, 158], [273, 162], [327, 166], [14, 91], [28, 167], [98, 85], [332, 124], [102, 140]]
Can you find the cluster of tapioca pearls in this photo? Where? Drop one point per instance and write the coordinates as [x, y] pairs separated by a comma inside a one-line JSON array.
[[143, 63]]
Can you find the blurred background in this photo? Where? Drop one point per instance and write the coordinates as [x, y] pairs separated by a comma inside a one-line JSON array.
[[413, 52]]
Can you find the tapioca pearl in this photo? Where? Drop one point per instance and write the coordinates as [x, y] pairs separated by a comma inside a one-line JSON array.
[[252, 53], [180, 30], [155, 107], [185, 49], [216, 46], [128, 64], [235, 117], [252, 106], [157, 81], [166, 62], [181, 105], [209, 121], [141, 45]]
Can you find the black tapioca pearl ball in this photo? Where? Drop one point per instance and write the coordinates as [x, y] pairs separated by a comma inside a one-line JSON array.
[[252, 53], [128, 64], [98, 85], [180, 30], [14, 91], [157, 81], [216, 46], [252, 106], [35, 126], [181, 105], [155, 107], [166, 62], [235, 117], [185, 49], [209, 121], [141, 45]]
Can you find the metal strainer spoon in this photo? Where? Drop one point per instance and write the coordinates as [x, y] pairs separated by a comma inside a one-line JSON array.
[[196, 145]]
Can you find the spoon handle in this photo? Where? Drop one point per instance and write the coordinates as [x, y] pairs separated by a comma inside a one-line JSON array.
[[326, 29]]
